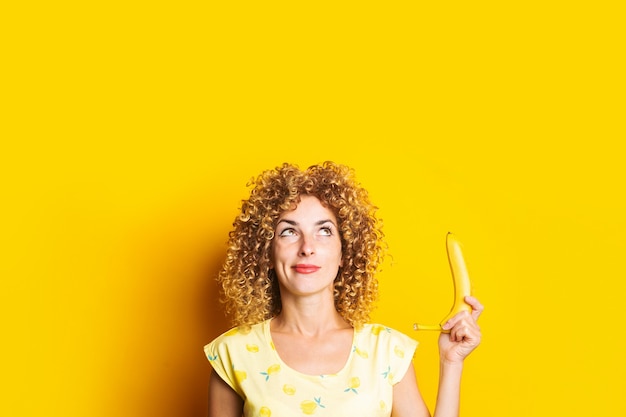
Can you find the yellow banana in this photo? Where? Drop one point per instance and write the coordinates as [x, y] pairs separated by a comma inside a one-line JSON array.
[[462, 284]]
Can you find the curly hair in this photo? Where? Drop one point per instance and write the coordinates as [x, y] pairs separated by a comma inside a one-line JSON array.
[[249, 288]]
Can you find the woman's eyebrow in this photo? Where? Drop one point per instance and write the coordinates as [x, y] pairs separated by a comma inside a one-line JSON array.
[[295, 223], [321, 222]]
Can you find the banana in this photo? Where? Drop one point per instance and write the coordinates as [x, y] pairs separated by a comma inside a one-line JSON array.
[[461, 280]]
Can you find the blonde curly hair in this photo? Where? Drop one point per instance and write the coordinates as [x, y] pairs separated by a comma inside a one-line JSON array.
[[249, 288]]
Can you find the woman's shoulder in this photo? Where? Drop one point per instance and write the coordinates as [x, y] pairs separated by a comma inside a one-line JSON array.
[[243, 334], [378, 329], [385, 348], [381, 334]]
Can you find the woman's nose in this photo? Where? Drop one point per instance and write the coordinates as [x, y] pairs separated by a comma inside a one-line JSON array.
[[307, 247]]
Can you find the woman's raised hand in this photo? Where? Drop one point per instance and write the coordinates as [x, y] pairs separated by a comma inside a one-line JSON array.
[[464, 334]]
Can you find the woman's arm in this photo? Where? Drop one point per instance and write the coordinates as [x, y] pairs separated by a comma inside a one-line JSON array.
[[454, 347], [407, 400], [449, 392], [223, 400]]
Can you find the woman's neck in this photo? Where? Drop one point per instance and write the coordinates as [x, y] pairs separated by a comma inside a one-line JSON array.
[[308, 317]]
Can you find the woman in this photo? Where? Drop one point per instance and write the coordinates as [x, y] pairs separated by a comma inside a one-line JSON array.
[[299, 281]]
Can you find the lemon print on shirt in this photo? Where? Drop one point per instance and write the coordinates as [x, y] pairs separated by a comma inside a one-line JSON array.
[[398, 351], [354, 383], [232, 332], [274, 369], [240, 376], [238, 330], [308, 407], [361, 353], [390, 378], [252, 348], [377, 328], [289, 389], [265, 412]]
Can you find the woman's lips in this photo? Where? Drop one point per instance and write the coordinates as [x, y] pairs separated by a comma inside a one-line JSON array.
[[306, 269]]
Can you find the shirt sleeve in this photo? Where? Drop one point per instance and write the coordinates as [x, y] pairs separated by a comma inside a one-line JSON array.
[[219, 354], [402, 350]]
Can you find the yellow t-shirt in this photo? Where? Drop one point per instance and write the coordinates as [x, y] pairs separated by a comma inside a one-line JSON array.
[[245, 358]]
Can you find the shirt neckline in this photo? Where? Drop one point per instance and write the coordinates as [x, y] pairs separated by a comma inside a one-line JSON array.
[[268, 336]]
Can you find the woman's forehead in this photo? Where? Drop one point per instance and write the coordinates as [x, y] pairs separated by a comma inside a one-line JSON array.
[[308, 205]]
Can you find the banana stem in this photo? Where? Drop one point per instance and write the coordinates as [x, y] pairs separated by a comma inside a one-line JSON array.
[[417, 326], [436, 327]]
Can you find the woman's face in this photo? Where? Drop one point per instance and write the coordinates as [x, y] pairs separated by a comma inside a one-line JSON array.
[[306, 249]]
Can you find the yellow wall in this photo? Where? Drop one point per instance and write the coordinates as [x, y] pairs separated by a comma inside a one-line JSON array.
[[130, 130]]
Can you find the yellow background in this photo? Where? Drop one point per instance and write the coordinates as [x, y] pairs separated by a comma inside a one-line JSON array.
[[129, 131]]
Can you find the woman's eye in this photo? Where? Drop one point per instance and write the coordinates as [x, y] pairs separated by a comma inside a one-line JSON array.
[[287, 232], [326, 231]]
